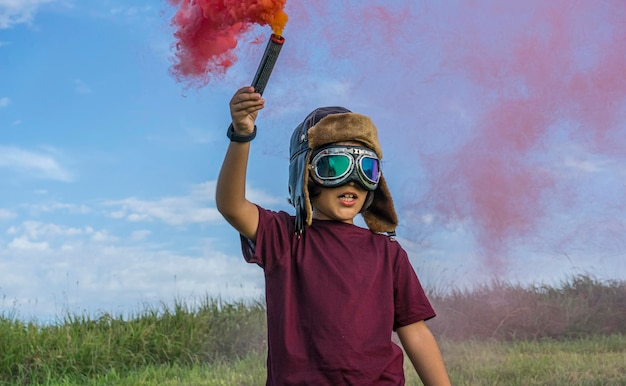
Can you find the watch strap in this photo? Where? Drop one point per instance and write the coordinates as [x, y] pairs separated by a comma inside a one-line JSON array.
[[234, 137]]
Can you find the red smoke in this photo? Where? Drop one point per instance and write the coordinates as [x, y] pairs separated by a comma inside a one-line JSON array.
[[482, 95], [560, 66], [493, 99], [208, 32]]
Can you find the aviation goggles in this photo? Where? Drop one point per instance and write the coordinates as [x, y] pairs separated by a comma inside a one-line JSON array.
[[337, 165]]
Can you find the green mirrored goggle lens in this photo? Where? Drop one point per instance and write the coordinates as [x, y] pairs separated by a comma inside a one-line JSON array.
[[333, 166]]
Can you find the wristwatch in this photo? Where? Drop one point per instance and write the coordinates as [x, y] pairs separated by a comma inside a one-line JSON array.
[[234, 137]]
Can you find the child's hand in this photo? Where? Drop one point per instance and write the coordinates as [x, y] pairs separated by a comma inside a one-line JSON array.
[[244, 107]]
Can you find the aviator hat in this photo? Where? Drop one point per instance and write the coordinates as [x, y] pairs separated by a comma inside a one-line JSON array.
[[328, 125]]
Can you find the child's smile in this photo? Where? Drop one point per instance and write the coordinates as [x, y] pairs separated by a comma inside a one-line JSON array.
[[348, 199], [342, 203]]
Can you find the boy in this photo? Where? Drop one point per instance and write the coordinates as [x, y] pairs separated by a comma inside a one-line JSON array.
[[334, 291]]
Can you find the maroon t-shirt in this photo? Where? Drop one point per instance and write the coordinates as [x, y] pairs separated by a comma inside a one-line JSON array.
[[334, 295]]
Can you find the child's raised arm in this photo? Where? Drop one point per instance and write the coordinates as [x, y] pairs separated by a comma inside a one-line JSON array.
[[230, 195]]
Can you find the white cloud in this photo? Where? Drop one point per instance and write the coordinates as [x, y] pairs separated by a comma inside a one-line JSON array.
[[6, 214], [13, 12], [57, 206], [182, 210], [428, 219], [583, 165], [576, 158], [46, 282], [120, 214], [171, 210], [4, 101], [262, 198], [22, 243], [80, 87], [140, 235], [103, 237], [36, 230], [130, 10], [37, 165], [205, 189], [123, 12]]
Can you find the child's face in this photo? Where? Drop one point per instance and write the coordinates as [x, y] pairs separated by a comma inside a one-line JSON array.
[[342, 203]]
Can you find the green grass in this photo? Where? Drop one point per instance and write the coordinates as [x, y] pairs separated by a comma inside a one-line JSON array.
[[82, 348], [497, 334], [249, 370], [597, 360]]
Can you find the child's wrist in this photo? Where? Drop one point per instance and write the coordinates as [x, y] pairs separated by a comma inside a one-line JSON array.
[[239, 137]]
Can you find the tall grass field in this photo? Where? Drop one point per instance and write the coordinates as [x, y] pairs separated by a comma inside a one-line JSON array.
[[496, 334]]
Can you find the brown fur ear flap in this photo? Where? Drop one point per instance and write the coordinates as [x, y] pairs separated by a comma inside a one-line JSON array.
[[381, 216], [307, 195]]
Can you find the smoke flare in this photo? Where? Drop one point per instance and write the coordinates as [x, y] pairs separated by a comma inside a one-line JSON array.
[[207, 32]]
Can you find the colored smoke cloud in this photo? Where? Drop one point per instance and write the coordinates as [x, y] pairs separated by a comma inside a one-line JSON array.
[[208, 31], [501, 104], [549, 71], [511, 115]]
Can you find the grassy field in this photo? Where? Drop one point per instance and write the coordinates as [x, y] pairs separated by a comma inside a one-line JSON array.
[[597, 360], [498, 334]]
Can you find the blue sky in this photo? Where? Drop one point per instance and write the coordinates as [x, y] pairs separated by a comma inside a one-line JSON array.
[[108, 165]]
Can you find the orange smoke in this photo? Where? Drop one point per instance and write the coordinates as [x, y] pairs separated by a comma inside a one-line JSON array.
[[207, 32]]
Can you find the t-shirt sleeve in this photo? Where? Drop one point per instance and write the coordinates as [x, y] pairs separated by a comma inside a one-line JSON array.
[[411, 303], [272, 241]]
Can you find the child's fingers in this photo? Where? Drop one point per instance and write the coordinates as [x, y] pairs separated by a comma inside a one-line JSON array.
[[247, 105], [245, 93], [244, 107], [246, 101]]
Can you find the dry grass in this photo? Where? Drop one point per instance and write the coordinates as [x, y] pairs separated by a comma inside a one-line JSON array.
[[581, 306]]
